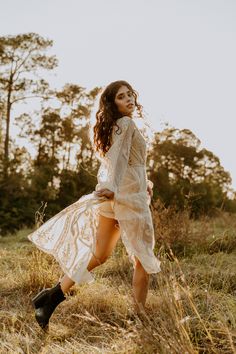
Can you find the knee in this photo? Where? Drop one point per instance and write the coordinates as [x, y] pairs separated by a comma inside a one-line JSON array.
[[103, 258], [141, 274], [139, 266]]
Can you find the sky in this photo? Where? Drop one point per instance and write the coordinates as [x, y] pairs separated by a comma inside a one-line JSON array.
[[180, 55]]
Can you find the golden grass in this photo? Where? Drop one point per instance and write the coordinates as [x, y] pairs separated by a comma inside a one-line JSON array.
[[191, 306]]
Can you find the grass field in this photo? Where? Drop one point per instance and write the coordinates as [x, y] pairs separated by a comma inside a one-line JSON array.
[[191, 306]]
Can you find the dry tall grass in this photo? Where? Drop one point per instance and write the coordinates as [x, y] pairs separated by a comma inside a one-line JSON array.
[[191, 305]]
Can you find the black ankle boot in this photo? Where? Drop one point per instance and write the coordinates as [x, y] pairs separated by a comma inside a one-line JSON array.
[[46, 302]]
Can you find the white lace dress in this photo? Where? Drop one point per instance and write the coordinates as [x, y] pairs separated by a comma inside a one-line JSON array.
[[70, 235]]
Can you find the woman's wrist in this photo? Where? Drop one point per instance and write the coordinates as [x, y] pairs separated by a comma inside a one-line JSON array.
[[150, 183]]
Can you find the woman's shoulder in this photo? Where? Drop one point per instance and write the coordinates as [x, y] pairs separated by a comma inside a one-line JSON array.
[[125, 121]]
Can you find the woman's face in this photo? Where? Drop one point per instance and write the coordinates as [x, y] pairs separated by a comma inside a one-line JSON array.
[[125, 101]]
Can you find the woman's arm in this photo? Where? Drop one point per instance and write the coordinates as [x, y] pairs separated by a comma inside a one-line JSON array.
[[118, 156]]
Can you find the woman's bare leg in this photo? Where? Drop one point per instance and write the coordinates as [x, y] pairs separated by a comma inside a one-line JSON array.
[[140, 286], [107, 236], [66, 283]]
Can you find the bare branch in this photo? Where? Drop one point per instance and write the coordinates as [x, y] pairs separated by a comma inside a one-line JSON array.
[[28, 97], [23, 61]]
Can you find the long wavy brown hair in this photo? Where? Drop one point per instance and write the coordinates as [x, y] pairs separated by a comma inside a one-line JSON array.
[[108, 114]]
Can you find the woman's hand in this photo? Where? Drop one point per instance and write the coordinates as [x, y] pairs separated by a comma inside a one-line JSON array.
[[105, 193], [150, 191]]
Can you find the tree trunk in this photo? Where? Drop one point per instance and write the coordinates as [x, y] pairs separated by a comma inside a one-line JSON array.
[[8, 118], [53, 145], [68, 156], [1, 131]]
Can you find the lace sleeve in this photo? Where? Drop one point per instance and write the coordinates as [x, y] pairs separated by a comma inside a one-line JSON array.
[[116, 161], [121, 143]]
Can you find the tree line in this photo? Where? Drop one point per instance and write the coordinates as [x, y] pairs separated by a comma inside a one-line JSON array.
[[64, 166]]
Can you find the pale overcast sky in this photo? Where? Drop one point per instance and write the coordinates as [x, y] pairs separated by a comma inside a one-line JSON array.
[[180, 55]]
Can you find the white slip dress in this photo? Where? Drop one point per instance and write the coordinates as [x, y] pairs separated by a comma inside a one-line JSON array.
[[70, 235]]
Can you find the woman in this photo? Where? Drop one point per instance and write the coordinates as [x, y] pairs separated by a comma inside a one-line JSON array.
[[83, 235]]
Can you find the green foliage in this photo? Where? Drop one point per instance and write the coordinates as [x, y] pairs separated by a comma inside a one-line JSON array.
[[64, 166], [21, 57], [16, 206], [185, 175]]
